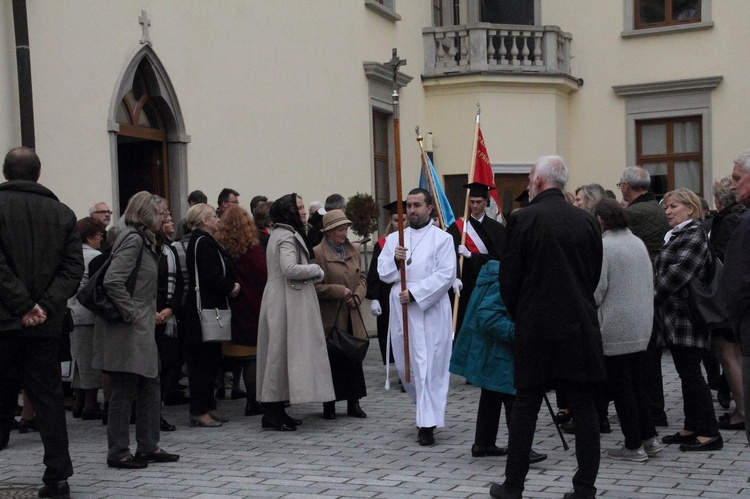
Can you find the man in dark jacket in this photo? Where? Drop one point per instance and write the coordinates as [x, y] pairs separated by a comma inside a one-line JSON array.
[[41, 265], [648, 222], [735, 282], [551, 262], [484, 242]]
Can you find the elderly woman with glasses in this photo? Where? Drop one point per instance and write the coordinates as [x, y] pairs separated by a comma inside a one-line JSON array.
[[127, 350], [684, 257]]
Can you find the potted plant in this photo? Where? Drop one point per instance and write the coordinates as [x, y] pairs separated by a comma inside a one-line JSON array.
[[363, 211]]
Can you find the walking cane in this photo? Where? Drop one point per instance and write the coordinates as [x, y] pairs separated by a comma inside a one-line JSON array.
[[559, 432]]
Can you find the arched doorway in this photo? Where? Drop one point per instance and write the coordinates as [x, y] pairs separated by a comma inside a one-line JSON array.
[[147, 140]]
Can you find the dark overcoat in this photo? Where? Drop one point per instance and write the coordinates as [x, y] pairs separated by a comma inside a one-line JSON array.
[[216, 283], [550, 267], [735, 281]]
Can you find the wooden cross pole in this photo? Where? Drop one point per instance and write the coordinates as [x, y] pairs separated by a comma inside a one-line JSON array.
[[395, 63]]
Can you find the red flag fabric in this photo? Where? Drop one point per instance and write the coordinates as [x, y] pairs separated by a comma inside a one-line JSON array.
[[483, 169]]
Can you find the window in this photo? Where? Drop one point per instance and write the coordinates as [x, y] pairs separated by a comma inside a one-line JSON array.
[[671, 150], [508, 12], [381, 129], [653, 13], [669, 131], [658, 17]]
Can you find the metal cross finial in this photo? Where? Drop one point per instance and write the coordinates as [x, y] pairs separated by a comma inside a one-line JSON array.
[[145, 22], [394, 64]]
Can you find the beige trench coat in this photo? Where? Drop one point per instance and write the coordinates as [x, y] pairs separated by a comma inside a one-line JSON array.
[[292, 355], [340, 275]]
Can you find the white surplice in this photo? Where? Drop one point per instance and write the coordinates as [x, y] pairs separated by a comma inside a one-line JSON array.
[[429, 276]]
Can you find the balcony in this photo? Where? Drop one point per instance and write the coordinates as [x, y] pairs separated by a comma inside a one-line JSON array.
[[502, 49]]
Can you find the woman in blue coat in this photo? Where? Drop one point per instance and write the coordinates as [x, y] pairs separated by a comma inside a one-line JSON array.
[[483, 355]]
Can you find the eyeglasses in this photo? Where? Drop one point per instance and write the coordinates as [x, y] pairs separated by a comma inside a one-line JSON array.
[[102, 212], [619, 184]]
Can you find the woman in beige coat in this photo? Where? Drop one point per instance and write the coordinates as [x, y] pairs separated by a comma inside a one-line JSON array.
[[292, 356], [340, 293]]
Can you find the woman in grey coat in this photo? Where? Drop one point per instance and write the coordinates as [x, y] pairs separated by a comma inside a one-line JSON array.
[[292, 356], [624, 298], [127, 350]]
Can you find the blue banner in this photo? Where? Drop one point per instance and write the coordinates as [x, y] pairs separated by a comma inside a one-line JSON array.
[[438, 194]]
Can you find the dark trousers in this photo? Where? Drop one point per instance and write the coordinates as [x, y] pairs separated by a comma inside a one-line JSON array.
[[171, 359], [203, 361], [653, 385], [145, 392], [35, 363], [624, 380], [697, 401], [488, 415], [521, 436]]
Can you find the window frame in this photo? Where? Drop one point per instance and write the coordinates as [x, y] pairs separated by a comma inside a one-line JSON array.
[[384, 8], [630, 29], [670, 157], [670, 99]]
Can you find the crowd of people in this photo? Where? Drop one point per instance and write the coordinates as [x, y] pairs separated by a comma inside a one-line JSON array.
[[580, 293]]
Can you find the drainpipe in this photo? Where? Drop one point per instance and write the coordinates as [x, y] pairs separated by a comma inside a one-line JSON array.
[[23, 61]]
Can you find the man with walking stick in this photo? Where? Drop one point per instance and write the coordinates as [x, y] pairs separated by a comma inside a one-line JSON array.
[[551, 262], [427, 253]]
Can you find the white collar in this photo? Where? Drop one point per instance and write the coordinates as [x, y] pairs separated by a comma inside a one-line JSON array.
[[669, 233]]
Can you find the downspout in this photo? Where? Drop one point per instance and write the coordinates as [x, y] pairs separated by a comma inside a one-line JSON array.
[[23, 62]]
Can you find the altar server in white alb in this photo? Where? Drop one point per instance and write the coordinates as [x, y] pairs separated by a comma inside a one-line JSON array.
[[430, 271]]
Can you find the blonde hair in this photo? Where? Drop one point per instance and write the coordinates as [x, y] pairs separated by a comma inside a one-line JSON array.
[[689, 199], [197, 213]]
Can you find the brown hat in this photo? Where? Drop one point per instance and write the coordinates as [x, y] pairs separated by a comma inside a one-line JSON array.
[[333, 219]]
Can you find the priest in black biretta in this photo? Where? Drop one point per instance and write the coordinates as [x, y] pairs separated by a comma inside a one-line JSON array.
[[484, 242]]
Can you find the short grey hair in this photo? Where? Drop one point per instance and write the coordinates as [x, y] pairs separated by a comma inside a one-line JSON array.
[[723, 194], [553, 170], [92, 209], [637, 177], [743, 160]]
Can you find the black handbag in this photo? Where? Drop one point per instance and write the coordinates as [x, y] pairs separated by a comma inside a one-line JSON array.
[[94, 297], [705, 306], [345, 344]]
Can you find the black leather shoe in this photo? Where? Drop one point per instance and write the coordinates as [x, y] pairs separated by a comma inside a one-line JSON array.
[[57, 490], [165, 426], [569, 427], [253, 408], [678, 438], [604, 426], [498, 492], [426, 436], [329, 410], [562, 417], [130, 463], [267, 423], [354, 410], [726, 424], [488, 450], [696, 445], [292, 421], [157, 457], [535, 457], [27, 425]]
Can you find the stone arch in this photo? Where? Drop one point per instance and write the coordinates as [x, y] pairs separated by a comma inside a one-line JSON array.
[[164, 98]]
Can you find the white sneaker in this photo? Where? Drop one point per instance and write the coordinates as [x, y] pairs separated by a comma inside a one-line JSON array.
[[652, 447], [624, 454]]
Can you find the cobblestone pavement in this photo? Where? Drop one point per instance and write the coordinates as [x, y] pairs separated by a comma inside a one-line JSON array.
[[374, 457]]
